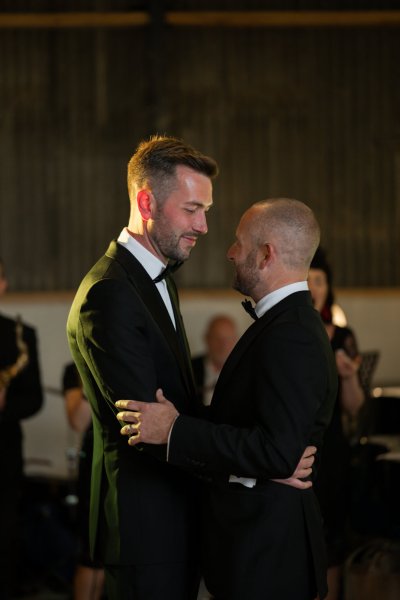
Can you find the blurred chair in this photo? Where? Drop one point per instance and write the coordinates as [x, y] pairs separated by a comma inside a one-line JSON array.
[[376, 468], [367, 368], [386, 410]]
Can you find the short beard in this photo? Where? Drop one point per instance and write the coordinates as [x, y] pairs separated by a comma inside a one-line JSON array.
[[244, 287], [165, 240], [169, 247], [247, 279]]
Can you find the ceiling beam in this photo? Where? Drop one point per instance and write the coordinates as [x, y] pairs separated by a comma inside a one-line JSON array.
[[266, 19]]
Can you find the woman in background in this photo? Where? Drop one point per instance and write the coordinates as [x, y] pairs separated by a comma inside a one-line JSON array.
[[331, 486]]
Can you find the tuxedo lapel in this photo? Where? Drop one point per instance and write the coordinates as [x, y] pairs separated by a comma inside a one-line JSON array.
[[294, 300], [148, 293], [180, 331]]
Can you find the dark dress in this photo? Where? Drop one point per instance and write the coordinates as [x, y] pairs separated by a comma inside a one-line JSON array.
[[332, 485]]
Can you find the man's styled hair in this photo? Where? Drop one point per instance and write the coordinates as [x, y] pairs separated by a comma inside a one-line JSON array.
[[155, 161]]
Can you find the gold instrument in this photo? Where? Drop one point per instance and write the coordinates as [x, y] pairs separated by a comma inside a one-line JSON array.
[[8, 373]]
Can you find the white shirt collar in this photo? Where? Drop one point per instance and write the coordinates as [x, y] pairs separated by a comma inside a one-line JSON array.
[[276, 296], [149, 262]]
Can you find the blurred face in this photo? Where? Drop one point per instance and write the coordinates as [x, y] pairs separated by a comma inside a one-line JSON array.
[[221, 338], [318, 284], [243, 254], [181, 218]]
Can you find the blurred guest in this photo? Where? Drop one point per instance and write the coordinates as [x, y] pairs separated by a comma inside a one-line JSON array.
[[20, 397], [220, 338], [89, 576], [332, 483]]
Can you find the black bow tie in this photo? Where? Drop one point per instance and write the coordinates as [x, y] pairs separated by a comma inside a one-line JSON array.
[[169, 269], [249, 308]]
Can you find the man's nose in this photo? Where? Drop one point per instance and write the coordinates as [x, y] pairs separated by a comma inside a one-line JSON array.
[[200, 224], [229, 254]]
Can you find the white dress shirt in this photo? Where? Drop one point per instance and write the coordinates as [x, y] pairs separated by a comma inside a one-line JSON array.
[[152, 265], [273, 298]]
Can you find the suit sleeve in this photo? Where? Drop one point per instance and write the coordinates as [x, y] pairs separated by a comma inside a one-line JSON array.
[[287, 382], [114, 341], [121, 344]]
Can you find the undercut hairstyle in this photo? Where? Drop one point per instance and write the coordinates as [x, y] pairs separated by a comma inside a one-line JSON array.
[[292, 226], [155, 161]]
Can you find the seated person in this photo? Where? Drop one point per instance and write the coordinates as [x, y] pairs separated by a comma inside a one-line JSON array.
[[220, 338]]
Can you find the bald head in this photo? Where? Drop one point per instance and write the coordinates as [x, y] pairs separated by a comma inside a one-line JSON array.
[[291, 226], [275, 242], [221, 336]]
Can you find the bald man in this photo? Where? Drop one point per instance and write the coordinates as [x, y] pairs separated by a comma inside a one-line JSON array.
[[220, 338], [275, 394]]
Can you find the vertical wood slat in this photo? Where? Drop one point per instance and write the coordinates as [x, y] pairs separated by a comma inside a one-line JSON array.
[[310, 114]]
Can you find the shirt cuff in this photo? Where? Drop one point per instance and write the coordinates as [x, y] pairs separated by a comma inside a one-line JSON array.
[[169, 436], [249, 482]]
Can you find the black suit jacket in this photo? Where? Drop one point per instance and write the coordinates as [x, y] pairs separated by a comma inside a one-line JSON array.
[[24, 398], [125, 346], [274, 396], [198, 366]]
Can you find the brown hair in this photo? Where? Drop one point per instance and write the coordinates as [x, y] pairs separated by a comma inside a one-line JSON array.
[[155, 160]]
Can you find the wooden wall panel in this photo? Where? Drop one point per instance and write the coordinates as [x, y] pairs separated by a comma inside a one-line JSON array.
[[311, 114]]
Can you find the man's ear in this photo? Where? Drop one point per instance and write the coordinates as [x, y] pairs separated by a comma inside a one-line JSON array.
[[266, 254], [144, 201]]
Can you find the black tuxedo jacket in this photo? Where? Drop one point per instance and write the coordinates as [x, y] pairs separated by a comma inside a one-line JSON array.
[[24, 398], [125, 346], [198, 366], [274, 397]]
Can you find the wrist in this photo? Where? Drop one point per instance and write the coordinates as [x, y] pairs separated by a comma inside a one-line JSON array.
[[349, 376]]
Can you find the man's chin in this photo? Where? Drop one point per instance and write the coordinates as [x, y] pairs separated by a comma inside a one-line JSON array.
[[181, 256], [236, 286], [183, 253]]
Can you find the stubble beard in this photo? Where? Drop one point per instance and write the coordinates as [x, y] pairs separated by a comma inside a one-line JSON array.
[[167, 241], [169, 247], [246, 277]]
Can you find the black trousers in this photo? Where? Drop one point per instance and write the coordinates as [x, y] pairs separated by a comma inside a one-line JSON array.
[[9, 537], [167, 581]]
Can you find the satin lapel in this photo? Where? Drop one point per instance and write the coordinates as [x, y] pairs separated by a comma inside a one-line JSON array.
[[292, 301], [180, 330], [153, 302]]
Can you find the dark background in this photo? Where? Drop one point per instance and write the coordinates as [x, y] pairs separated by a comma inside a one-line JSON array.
[[310, 112]]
